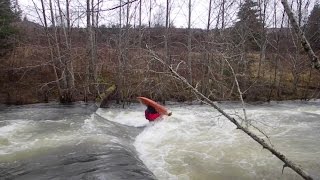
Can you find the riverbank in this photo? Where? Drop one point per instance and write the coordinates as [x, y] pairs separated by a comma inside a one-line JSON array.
[[27, 74]]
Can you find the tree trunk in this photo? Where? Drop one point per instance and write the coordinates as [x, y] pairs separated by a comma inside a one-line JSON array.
[[305, 44], [120, 57], [166, 38], [93, 44], [67, 91], [54, 64], [65, 95], [222, 62], [189, 44], [140, 27], [206, 69], [263, 44], [91, 76]]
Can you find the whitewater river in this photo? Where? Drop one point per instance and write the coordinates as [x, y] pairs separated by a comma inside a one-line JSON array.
[[50, 141]]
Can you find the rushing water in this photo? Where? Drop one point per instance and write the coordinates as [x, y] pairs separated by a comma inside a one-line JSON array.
[[73, 142], [66, 142]]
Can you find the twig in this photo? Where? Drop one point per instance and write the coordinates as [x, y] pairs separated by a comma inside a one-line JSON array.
[[262, 133], [116, 7], [240, 93]]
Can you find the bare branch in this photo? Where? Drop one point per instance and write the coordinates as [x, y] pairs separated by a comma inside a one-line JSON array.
[[240, 93], [116, 7], [261, 141]]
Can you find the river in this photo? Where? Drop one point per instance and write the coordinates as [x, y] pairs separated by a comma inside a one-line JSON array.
[[51, 141]]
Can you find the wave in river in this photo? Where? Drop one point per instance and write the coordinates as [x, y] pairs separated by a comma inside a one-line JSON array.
[[196, 142]]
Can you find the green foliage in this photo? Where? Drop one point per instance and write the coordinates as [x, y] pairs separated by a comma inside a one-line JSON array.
[[7, 16], [313, 27], [249, 28]]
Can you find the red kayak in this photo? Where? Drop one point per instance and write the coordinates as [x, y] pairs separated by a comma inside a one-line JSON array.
[[159, 108]]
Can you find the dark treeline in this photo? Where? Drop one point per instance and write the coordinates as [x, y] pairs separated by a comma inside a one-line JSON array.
[[56, 61]]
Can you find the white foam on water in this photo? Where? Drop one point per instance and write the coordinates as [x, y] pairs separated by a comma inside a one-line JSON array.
[[27, 136], [12, 134], [310, 109], [187, 136], [128, 116], [197, 143], [89, 125], [12, 126]]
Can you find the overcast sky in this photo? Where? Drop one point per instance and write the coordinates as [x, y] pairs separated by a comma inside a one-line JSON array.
[[179, 11]]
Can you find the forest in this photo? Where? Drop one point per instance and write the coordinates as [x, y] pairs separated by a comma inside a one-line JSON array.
[[255, 52]]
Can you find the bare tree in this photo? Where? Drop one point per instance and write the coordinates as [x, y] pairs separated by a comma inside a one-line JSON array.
[[189, 61], [263, 41], [209, 16], [63, 68], [166, 36], [140, 26], [304, 42], [150, 10], [120, 55], [277, 56], [91, 76], [54, 62]]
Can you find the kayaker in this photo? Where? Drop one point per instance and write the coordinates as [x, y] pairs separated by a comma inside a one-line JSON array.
[[151, 114]]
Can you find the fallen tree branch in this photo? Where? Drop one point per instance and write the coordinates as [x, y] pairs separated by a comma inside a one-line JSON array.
[[262, 142]]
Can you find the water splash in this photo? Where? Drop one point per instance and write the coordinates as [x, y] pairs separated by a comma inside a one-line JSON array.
[[193, 145]]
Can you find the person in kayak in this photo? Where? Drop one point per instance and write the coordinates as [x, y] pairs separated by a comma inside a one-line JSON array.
[[151, 114]]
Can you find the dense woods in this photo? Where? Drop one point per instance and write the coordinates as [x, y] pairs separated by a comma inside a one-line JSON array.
[[54, 59]]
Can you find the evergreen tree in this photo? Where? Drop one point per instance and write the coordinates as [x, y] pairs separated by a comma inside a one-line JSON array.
[[313, 27], [249, 27], [7, 16]]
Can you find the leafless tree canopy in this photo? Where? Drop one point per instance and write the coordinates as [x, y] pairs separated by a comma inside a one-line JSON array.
[[82, 55]]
